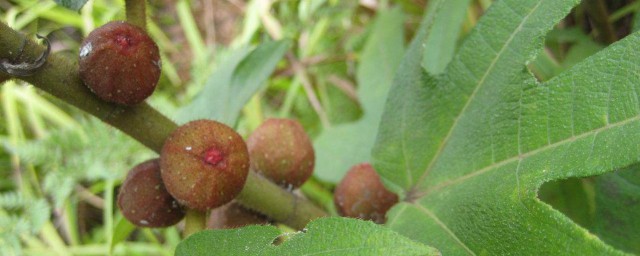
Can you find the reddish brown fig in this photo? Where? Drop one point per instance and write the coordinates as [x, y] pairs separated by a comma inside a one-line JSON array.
[[144, 200], [204, 164], [281, 151], [120, 63], [361, 194], [234, 215]]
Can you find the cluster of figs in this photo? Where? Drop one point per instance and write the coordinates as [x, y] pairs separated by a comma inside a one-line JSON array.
[[203, 164]]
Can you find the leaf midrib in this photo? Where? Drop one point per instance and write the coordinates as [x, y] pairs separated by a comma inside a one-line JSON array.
[[523, 156], [437, 220], [444, 227], [479, 85]]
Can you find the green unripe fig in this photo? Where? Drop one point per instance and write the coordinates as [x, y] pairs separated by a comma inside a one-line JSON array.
[[234, 215], [143, 199], [362, 195], [281, 151], [120, 63], [204, 164]]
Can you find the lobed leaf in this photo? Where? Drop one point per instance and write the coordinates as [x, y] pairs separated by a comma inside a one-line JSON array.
[[469, 148]]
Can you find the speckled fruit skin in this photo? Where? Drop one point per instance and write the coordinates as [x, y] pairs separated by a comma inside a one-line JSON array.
[[120, 63], [143, 199], [362, 195], [234, 215], [281, 151], [204, 164]]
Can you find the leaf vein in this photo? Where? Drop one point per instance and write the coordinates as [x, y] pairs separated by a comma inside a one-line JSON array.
[[519, 137], [548, 116], [444, 227], [405, 151], [489, 168], [573, 106], [608, 111]]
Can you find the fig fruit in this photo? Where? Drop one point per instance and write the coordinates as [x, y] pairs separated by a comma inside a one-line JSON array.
[[234, 215], [120, 63], [143, 199], [204, 164], [361, 194], [280, 150]]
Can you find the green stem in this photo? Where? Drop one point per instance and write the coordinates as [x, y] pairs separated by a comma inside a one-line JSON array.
[[598, 12], [55, 243], [283, 206], [136, 13], [194, 222], [70, 223], [59, 77], [624, 11], [108, 211]]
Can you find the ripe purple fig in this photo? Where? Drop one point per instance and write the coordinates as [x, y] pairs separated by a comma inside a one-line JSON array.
[[234, 215], [120, 63], [143, 199], [361, 194], [281, 151], [204, 164]]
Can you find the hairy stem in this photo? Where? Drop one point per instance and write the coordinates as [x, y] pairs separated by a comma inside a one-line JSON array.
[[59, 77], [136, 13]]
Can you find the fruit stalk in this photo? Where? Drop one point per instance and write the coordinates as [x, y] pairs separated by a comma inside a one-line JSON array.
[[194, 222], [136, 13], [59, 77]]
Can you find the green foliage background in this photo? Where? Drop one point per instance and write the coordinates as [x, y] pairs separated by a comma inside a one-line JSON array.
[[507, 132]]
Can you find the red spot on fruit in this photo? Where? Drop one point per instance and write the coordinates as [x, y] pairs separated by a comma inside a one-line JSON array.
[[123, 40], [214, 156]]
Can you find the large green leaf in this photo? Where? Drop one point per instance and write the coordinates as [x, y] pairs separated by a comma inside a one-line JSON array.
[[232, 85], [469, 149], [325, 236]]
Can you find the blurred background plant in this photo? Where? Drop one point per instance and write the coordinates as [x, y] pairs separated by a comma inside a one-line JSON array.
[[60, 168]]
